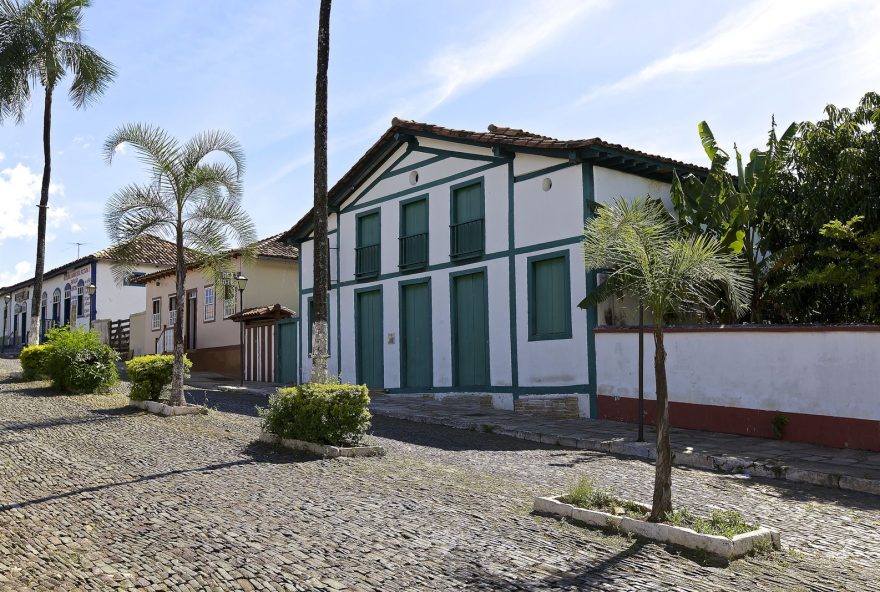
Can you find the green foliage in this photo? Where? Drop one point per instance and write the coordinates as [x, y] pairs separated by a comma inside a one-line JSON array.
[[32, 360], [852, 263], [832, 174], [778, 424], [76, 361], [726, 523], [647, 257], [40, 43], [191, 197], [731, 209], [334, 414], [150, 374]]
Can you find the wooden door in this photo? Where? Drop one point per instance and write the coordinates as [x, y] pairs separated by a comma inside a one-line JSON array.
[[416, 369], [470, 330], [368, 339], [192, 316], [287, 331]]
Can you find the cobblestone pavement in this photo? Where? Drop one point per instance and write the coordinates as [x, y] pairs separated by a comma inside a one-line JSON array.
[[95, 496]]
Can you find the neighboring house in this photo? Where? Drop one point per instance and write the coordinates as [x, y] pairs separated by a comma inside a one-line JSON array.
[[66, 291], [456, 262], [211, 337]]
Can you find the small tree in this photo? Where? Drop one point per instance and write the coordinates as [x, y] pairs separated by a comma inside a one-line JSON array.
[[40, 42], [646, 256], [196, 204]]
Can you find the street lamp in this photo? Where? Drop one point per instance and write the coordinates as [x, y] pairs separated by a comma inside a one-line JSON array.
[[6, 299], [91, 289], [241, 283]]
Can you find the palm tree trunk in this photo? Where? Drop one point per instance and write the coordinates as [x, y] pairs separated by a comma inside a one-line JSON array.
[[39, 265], [320, 297], [663, 470], [178, 371]]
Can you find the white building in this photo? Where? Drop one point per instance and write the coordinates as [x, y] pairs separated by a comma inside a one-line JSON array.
[[456, 261], [66, 298]]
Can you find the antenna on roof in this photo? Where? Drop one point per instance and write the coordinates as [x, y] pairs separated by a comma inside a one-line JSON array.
[[78, 245]]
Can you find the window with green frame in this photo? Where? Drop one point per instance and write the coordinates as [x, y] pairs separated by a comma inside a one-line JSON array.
[[311, 319], [414, 233], [367, 249], [467, 229], [549, 290]]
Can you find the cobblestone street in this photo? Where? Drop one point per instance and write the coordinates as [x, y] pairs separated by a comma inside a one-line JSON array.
[[96, 496]]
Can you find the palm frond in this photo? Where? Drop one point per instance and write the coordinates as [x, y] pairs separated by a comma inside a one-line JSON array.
[[155, 147], [202, 144], [92, 73], [136, 210]]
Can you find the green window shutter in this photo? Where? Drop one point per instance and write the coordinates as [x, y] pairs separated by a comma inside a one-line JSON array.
[[549, 297], [368, 230], [415, 217], [467, 203], [367, 251]]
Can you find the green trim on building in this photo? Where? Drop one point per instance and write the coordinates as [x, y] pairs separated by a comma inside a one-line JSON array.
[[589, 191], [531, 289], [422, 187], [568, 389], [376, 288], [359, 242], [489, 257], [544, 171], [461, 155], [511, 275], [412, 167]]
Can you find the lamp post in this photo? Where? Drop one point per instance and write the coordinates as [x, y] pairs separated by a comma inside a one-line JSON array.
[[92, 289], [6, 299], [241, 283]]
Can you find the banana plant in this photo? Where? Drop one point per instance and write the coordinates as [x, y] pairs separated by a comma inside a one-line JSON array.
[[727, 207]]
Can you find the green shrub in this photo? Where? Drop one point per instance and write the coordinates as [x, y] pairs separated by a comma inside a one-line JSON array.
[[76, 361], [150, 374], [334, 414], [33, 359]]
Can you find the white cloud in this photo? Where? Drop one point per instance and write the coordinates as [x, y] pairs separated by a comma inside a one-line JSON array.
[[75, 227], [22, 271], [761, 32], [20, 188], [120, 149], [2, 156], [83, 142]]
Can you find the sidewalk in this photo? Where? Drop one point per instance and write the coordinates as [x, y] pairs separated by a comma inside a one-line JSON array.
[[212, 381], [856, 470]]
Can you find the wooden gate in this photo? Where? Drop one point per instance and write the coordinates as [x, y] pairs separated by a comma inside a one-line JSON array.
[[259, 352], [120, 336]]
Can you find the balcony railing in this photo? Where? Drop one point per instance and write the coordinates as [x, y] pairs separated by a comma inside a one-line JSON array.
[[414, 251], [366, 261], [467, 239]]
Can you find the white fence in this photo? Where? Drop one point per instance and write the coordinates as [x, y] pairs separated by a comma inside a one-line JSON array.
[[820, 384]]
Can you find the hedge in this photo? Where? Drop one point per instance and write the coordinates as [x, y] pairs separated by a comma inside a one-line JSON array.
[[33, 361], [77, 361], [150, 374], [334, 414]]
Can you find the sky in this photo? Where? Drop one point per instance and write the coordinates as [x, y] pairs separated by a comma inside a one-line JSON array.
[[635, 72]]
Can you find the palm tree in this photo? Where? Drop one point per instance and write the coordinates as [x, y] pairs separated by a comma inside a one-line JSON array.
[[40, 41], [196, 204], [647, 256], [321, 266]]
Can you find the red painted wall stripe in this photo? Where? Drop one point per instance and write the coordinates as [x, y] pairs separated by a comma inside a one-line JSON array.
[[838, 432]]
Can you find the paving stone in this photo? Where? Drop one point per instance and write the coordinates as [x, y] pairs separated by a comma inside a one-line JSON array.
[[195, 503]]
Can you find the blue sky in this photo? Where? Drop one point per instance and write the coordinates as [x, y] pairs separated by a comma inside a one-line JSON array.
[[637, 72]]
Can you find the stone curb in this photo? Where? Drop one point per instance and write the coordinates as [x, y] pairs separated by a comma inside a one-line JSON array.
[[720, 546], [167, 410], [322, 449], [646, 450]]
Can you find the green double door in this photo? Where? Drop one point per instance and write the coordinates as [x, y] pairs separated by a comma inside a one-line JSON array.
[[470, 330], [416, 364], [368, 338]]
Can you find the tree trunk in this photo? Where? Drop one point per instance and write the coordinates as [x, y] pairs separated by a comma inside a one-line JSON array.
[[178, 371], [663, 470], [320, 296], [39, 265]]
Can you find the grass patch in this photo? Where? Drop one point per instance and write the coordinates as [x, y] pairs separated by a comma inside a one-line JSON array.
[[726, 523], [585, 494]]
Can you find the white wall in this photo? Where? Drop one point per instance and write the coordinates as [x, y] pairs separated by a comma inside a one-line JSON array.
[[798, 371]]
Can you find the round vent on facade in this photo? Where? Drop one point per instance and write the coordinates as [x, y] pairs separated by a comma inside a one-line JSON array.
[[414, 177], [546, 184]]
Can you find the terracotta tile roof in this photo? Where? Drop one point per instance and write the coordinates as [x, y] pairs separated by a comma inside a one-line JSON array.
[[263, 312], [148, 249], [508, 138], [269, 248]]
